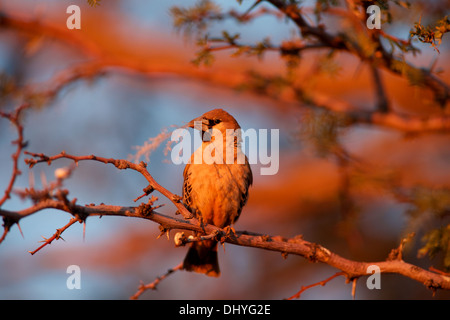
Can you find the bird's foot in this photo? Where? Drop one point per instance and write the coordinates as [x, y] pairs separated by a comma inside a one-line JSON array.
[[229, 233]]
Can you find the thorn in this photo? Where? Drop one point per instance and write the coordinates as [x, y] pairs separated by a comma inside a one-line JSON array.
[[20, 230], [163, 230], [43, 180], [252, 7], [354, 288], [31, 178]]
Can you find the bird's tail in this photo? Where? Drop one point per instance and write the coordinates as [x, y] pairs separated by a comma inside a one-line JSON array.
[[202, 258]]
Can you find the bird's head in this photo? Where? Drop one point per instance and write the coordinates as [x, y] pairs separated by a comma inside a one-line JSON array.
[[217, 119]]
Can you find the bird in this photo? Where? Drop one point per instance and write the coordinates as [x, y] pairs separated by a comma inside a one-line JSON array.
[[216, 192]]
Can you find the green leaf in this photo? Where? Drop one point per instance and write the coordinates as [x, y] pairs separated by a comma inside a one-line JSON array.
[[437, 241], [204, 57], [231, 39], [195, 18], [262, 46]]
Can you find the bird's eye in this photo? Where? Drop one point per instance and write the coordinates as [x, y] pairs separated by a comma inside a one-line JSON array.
[[213, 122]]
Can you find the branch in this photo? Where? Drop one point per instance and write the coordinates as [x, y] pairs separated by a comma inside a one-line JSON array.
[[154, 284], [119, 164], [294, 14], [383, 59], [14, 119], [321, 283], [32, 26], [381, 97], [297, 246], [56, 236], [404, 123], [103, 62]]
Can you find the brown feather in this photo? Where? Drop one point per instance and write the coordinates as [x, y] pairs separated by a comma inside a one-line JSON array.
[[215, 194]]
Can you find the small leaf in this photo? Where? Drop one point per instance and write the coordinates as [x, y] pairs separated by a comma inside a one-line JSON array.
[[230, 39], [436, 241], [204, 57], [431, 35]]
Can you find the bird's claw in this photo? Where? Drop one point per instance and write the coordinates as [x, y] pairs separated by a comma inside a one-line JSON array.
[[229, 233]]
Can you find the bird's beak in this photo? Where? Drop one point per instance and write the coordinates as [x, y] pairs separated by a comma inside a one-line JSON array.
[[199, 123]]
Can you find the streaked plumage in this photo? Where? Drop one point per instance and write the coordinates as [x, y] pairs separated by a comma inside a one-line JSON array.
[[215, 193]]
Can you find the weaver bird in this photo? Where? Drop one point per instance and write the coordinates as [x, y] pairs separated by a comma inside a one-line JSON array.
[[216, 192]]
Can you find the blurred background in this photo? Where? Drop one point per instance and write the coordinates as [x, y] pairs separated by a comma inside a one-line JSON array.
[[152, 86]]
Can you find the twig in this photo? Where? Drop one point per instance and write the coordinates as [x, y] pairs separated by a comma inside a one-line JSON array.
[[381, 97], [393, 38], [397, 253], [252, 7], [5, 231], [153, 285], [321, 283], [433, 269], [119, 164], [354, 288], [57, 235], [14, 119]]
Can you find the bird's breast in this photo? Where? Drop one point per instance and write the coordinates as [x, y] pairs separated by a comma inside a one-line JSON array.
[[216, 191]]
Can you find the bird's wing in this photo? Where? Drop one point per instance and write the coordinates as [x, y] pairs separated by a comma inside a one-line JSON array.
[[187, 188], [248, 182]]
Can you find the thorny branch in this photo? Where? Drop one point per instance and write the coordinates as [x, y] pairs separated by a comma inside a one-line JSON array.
[[152, 285], [297, 246], [321, 283], [56, 236], [14, 119]]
